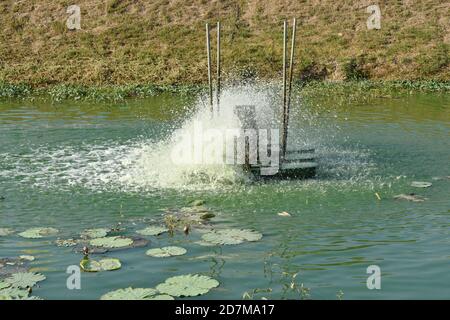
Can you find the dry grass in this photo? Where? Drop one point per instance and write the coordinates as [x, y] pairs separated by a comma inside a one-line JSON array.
[[162, 41]]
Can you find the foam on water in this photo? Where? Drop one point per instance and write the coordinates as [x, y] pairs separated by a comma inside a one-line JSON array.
[[146, 165]]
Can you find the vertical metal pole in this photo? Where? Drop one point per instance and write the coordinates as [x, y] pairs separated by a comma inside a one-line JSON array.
[[283, 110], [291, 73], [218, 65], [208, 51]]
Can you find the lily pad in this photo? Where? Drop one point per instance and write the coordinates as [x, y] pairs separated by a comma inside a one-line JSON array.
[[152, 231], [95, 233], [6, 232], [160, 297], [4, 285], [189, 285], [89, 265], [110, 264], [35, 233], [421, 184], [231, 236], [111, 242], [24, 279], [166, 252], [13, 293], [107, 264], [130, 294], [410, 197]]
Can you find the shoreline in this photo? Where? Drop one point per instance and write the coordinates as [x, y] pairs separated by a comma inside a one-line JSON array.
[[120, 93]]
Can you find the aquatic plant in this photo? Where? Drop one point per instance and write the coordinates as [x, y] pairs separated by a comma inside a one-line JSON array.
[[111, 242], [4, 284], [231, 236], [152, 231], [135, 294], [166, 252], [94, 233], [35, 233], [250, 295], [24, 279], [13, 293], [188, 285], [10, 90], [107, 264]]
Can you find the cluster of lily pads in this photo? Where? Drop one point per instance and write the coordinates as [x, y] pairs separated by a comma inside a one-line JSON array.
[[102, 240], [19, 285], [188, 285]]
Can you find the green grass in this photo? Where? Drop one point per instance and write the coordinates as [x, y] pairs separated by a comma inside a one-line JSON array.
[[162, 42], [344, 91]]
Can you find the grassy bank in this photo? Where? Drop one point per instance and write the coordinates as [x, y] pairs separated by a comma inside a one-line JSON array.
[[162, 42], [346, 90]]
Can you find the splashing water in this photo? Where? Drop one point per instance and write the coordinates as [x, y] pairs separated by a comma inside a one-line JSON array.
[[143, 164]]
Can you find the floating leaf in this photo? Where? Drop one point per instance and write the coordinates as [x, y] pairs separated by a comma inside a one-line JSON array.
[[35, 233], [111, 242], [410, 197], [89, 265], [6, 232], [66, 242], [130, 294], [160, 297], [284, 214], [110, 264], [189, 285], [166, 252], [24, 279], [152, 231], [95, 233], [27, 257], [13, 293], [107, 264], [231, 236], [421, 184], [4, 285]]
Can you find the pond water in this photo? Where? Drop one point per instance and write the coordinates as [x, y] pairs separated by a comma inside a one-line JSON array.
[[78, 165]]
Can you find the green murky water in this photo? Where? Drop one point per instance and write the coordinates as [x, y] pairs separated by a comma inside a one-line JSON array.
[[78, 165]]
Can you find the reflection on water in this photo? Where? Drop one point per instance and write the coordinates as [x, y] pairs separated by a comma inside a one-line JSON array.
[[79, 165]]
